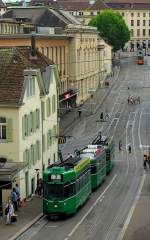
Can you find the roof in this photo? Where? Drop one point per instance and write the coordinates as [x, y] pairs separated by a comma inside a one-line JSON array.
[[98, 5], [42, 16], [129, 4], [74, 6], [12, 65]]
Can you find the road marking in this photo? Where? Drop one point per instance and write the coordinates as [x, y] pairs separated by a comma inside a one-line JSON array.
[[122, 233], [139, 129], [91, 208]]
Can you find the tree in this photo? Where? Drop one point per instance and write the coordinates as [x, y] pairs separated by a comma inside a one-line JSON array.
[[112, 28]]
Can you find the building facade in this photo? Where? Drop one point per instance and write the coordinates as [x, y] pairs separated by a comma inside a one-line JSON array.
[[28, 115]]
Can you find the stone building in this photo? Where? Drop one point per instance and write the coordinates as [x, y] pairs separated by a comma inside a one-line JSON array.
[[73, 50]]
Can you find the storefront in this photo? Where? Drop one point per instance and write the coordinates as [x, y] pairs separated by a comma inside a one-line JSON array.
[[67, 101]]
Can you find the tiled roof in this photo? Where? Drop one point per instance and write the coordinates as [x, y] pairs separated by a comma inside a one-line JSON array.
[[98, 5], [42, 16], [73, 6], [127, 1], [129, 4], [12, 65]]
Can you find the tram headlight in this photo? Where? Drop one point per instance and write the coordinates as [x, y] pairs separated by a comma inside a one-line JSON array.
[[55, 206]]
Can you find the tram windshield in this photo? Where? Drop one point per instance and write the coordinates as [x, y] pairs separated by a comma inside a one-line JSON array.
[[53, 191]]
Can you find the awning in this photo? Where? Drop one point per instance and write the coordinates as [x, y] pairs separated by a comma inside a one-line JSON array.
[[9, 169], [67, 95]]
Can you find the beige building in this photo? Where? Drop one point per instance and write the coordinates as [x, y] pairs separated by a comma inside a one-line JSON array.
[[28, 116], [74, 49], [136, 14]]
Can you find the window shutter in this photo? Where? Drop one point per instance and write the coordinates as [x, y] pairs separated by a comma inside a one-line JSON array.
[[50, 137], [48, 142], [49, 103], [43, 110], [47, 107], [35, 153], [9, 130], [44, 143], [53, 104], [34, 121], [38, 150], [32, 154], [28, 125], [30, 158], [37, 118], [23, 127]]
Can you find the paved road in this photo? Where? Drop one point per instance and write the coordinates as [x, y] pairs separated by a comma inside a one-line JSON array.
[[104, 214]]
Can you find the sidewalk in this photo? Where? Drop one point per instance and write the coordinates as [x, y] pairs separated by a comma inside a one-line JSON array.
[[139, 225], [27, 216], [89, 107]]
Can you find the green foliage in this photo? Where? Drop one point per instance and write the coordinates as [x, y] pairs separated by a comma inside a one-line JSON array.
[[112, 28]]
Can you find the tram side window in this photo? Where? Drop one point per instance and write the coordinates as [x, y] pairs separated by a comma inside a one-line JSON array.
[[93, 169], [69, 190]]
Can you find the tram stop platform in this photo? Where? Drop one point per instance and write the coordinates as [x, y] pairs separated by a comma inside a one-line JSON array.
[[138, 227], [27, 216]]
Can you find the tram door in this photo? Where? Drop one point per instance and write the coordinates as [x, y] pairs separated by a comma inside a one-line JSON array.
[[27, 183]]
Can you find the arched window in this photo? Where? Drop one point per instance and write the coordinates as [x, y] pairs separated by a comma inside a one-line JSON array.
[[2, 128]]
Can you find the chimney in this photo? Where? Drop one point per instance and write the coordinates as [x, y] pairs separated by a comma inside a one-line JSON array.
[[33, 46]]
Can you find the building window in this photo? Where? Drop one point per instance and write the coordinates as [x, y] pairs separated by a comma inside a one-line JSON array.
[[132, 22], [144, 14], [138, 32], [138, 14], [80, 13], [149, 22], [138, 22], [149, 32], [98, 12], [2, 128], [132, 32], [132, 14], [122, 14], [144, 22], [91, 13], [30, 81], [144, 32]]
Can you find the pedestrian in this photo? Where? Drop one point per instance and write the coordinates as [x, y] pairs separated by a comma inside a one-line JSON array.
[[102, 116], [145, 161], [40, 187], [9, 212], [14, 199], [129, 148], [18, 194], [148, 161], [120, 145], [80, 112]]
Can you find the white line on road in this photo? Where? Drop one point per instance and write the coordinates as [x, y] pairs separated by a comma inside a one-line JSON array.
[[90, 209], [140, 143], [122, 233]]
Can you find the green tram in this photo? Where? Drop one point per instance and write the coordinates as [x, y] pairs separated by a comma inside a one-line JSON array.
[[109, 146], [67, 185], [97, 157]]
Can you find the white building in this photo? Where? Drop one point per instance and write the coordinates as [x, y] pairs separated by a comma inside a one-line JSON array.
[[28, 116]]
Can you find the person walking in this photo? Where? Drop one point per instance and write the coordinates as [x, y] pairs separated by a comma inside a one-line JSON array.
[[102, 116], [18, 194], [9, 212], [145, 161], [14, 199], [79, 112], [148, 161], [129, 148], [120, 145]]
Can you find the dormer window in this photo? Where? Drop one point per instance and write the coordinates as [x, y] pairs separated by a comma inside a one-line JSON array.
[[30, 83], [2, 128]]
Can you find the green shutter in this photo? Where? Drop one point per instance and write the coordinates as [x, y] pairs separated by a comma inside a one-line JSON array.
[[44, 143], [34, 121], [28, 125], [9, 130], [48, 142], [23, 127], [53, 104], [50, 137], [47, 107], [35, 153], [37, 118], [38, 150], [49, 102], [32, 155], [30, 158], [43, 110]]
